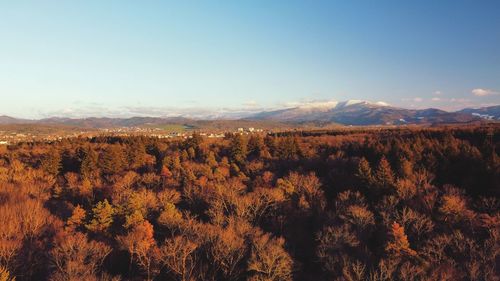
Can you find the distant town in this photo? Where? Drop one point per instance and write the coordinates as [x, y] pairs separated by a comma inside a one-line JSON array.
[[13, 136]]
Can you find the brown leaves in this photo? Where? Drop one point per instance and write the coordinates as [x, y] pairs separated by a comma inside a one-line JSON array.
[[77, 217], [139, 239], [223, 220], [398, 243], [228, 249], [170, 216], [140, 243], [5, 274], [268, 260], [384, 176], [454, 207]]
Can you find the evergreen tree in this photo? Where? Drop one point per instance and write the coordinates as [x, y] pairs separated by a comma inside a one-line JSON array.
[[210, 159], [405, 168], [51, 162], [194, 141], [102, 217], [289, 148], [399, 244], [271, 144], [69, 161], [136, 154], [384, 176], [88, 166], [238, 150], [112, 160], [255, 146], [365, 171], [191, 153]]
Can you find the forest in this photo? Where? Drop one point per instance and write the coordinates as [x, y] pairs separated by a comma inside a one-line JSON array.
[[366, 204]]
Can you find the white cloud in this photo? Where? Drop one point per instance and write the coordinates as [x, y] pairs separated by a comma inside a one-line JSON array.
[[319, 104], [438, 93], [459, 100], [151, 111], [330, 104], [251, 103], [306, 103], [436, 99], [418, 99], [483, 92]]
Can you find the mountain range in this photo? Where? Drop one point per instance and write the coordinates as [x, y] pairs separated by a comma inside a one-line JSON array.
[[359, 112], [351, 112]]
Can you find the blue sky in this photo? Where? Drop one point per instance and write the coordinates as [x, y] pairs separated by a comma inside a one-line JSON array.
[[79, 58]]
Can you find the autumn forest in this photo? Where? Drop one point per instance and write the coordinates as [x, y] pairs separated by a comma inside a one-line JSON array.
[[353, 204]]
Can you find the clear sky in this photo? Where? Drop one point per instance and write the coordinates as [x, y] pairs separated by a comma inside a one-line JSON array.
[[139, 57]]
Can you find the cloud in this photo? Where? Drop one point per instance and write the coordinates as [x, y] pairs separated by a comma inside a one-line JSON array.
[[459, 100], [459, 103], [437, 93], [382, 103], [251, 103], [308, 103], [195, 112], [319, 104], [418, 99], [436, 99], [483, 92]]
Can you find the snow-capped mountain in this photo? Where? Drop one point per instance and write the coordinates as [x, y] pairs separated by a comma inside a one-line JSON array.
[[359, 112], [488, 113], [351, 112]]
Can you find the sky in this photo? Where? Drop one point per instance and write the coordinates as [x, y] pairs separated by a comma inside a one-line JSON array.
[[111, 58]]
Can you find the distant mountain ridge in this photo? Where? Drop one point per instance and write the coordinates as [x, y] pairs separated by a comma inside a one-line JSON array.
[[489, 113], [4, 119], [358, 112], [351, 112]]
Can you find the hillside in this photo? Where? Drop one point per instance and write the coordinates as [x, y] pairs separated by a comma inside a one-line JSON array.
[[489, 113], [356, 112], [351, 112]]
